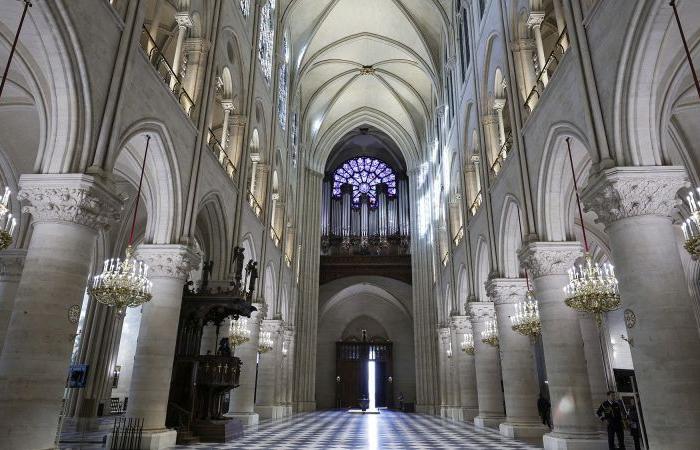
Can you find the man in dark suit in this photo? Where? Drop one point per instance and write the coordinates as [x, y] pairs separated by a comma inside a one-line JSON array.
[[612, 412]]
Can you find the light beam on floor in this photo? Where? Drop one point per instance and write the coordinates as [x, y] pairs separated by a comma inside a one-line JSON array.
[[371, 382]]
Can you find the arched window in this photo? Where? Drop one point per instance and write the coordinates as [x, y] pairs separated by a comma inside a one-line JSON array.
[[283, 86], [364, 174], [245, 7], [266, 40]]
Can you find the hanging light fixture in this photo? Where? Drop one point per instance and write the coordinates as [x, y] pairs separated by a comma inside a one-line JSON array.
[[691, 226], [592, 287], [8, 222], [124, 283], [238, 333], [526, 319], [449, 350], [490, 334], [265, 343], [468, 344]]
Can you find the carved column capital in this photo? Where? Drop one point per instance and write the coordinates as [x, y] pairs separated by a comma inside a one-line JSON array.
[[11, 264], [505, 291], [461, 324], [535, 18], [444, 333], [227, 105], [168, 260], [196, 45], [184, 20], [549, 258], [489, 119], [69, 198], [499, 104], [481, 311], [622, 192], [523, 45]]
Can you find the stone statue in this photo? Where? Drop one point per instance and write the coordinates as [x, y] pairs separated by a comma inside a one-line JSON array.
[[206, 273], [251, 276], [238, 257]]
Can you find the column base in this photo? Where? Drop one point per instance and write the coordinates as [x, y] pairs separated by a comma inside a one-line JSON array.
[[488, 422], [247, 418], [271, 412], [468, 414], [306, 406], [583, 441], [517, 430], [428, 409], [153, 439]]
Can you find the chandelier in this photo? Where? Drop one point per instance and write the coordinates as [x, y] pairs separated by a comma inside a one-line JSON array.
[[468, 344], [8, 228], [526, 319], [490, 334], [124, 282], [691, 226], [265, 343], [592, 287], [238, 332]]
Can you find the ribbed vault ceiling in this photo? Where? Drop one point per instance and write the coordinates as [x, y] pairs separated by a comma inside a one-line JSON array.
[[333, 40]]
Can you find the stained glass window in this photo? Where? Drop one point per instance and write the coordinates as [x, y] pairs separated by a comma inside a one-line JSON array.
[[364, 174], [283, 86], [245, 7], [266, 40]]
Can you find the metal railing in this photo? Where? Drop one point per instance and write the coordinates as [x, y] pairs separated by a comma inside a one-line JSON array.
[[126, 434], [459, 236], [166, 72], [550, 66], [476, 204], [503, 153], [257, 209], [221, 156]]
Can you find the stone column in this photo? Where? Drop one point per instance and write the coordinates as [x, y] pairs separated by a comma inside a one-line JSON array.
[[635, 204], [534, 21], [561, 23], [11, 264], [499, 104], [444, 336], [517, 361], [595, 359], [268, 373], [488, 369], [169, 266], [227, 105], [288, 364], [238, 123], [242, 404], [574, 423], [466, 371], [524, 68], [67, 212], [195, 50], [490, 123], [184, 21]]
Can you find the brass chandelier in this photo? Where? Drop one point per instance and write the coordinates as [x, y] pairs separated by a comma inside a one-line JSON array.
[[238, 332], [124, 282], [490, 334], [9, 222], [468, 344], [526, 319], [592, 286], [265, 343]]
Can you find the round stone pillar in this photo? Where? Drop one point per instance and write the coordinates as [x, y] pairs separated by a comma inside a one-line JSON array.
[[488, 369], [11, 264], [635, 204], [517, 362], [67, 212], [242, 403], [573, 418], [269, 370], [169, 266], [465, 369]]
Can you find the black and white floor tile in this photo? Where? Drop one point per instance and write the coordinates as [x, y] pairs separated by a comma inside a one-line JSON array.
[[338, 430]]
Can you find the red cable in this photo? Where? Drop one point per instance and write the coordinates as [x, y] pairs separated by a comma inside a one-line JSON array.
[[138, 194], [578, 200]]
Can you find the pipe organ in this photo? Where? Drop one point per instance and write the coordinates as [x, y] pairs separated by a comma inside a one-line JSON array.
[[365, 210]]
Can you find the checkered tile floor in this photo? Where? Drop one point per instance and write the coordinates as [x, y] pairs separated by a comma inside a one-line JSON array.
[[339, 430]]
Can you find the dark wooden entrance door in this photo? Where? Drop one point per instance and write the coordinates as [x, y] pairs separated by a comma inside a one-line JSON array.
[[352, 359]]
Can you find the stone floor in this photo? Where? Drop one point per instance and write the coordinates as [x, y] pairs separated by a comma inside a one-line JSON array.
[[388, 430]]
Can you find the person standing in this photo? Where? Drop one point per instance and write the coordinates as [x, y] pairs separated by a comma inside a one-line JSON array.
[[545, 410], [612, 412]]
